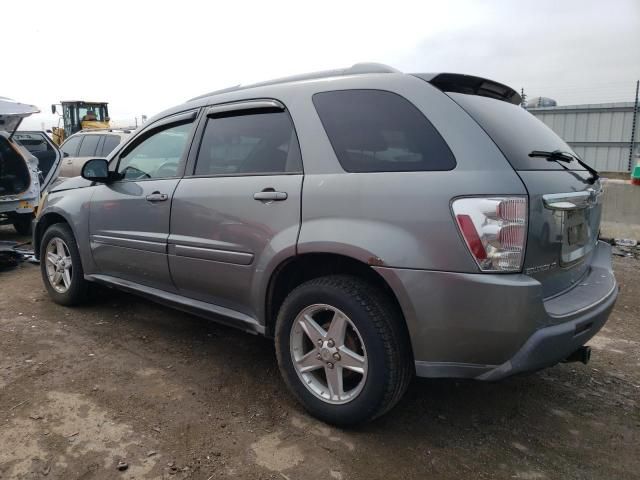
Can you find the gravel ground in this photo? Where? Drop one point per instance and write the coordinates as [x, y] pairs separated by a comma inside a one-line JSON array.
[[172, 396]]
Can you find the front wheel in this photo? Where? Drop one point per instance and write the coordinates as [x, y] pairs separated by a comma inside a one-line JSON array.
[[342, 350], [61, 267]]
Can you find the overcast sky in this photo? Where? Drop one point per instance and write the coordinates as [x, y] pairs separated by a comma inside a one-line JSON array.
[[143, 57]]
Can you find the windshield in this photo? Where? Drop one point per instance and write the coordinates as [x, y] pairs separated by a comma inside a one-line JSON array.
[[92, 112], [516, 132]]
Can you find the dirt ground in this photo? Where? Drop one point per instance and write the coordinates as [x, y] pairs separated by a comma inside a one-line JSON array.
[[177, 397]]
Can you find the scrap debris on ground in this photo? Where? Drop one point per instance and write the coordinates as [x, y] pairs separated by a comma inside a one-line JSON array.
[[12, 253], [625, 247]]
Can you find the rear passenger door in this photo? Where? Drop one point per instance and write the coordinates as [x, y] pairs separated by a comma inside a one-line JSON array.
[[237, 211]]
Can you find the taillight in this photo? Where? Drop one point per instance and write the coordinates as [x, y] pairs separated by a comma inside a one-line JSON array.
[[494, 229]]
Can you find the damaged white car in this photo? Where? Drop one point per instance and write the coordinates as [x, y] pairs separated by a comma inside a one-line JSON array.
[[29, 161]]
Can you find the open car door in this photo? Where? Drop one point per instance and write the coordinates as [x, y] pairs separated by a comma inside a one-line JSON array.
[[48, 154]]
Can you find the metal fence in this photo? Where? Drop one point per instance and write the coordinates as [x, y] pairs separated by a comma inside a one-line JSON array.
[[599, 133]]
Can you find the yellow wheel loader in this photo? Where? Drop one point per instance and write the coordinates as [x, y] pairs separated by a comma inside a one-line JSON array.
[[78, 115]]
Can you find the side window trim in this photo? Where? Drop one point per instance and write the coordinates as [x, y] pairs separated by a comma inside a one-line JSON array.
[[171, 121], [229, 109], [232, 109]]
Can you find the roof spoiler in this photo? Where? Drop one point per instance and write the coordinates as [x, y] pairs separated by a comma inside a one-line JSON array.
[[471, 85]]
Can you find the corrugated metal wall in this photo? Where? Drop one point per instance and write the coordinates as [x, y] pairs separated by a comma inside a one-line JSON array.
[[599, 133]]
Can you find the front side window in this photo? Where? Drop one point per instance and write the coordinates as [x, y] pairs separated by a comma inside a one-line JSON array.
[[158, 155], [254, 143], [70, 147], [379, 131], [89, 145]]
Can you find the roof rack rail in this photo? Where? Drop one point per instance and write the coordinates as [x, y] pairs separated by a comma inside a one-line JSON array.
[[108, 129], [356, 69]]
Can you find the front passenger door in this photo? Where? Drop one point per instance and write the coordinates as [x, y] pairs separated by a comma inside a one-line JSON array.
[[69, 151], [129, 218]]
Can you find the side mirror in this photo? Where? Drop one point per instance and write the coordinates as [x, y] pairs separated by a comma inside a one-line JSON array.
[[49, 130], [65, 154], [53, 109], [96, 170]]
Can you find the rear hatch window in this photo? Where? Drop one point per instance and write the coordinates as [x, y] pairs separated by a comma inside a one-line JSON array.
[[564, 201], [516, 132]]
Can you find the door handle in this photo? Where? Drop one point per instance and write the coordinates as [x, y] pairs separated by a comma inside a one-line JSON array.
[[270, 195], [157, 197]]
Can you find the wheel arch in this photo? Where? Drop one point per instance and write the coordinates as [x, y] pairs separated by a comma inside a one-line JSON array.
[[297, 269], [44, 222]]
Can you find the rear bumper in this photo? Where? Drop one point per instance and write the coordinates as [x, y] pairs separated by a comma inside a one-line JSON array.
[[492, 326], [550, 345]]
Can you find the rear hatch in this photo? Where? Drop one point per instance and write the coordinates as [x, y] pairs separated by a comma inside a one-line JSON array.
[[564, 200], [12, 113]]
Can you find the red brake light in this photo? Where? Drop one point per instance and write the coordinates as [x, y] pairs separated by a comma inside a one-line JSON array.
[[494, 229], [471, 236]]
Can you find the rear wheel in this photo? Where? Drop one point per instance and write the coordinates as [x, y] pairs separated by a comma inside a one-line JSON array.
[[61, 267], [22, 223], [341, 349]]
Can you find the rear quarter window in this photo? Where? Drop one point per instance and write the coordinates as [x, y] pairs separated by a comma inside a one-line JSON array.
[[110, 143], [380, 131]]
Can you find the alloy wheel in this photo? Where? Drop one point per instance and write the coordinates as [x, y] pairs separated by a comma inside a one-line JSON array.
[[59, 265], [328, 354]]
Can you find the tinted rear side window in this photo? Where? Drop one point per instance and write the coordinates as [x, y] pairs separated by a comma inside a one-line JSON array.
[[516, 132], [110, 142], [89, 145], [379, 131], [249, 144]]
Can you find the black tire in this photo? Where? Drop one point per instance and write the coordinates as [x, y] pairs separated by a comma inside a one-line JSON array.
[[77, 291], [22, 223], [380, 324]]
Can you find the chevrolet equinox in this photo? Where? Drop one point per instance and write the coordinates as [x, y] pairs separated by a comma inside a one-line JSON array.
[[378, 225]]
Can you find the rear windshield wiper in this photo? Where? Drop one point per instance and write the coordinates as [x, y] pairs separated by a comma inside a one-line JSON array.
[[567, 157]]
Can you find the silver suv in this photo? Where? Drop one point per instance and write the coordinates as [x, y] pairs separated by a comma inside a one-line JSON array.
[[88, 144], [376, 224]]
